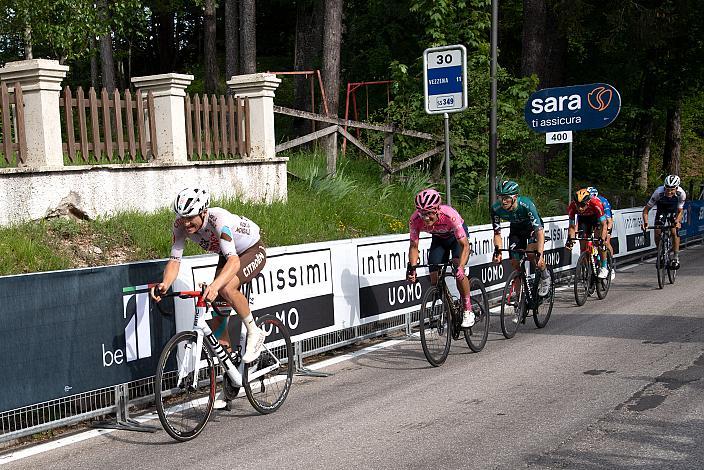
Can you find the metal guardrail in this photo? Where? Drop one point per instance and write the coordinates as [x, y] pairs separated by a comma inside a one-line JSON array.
[[117, 399]]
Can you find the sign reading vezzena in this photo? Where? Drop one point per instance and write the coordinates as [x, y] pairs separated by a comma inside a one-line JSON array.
[[445, 74], [572, 108]]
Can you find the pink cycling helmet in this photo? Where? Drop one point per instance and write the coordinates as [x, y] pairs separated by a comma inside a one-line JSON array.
[[428, 199]]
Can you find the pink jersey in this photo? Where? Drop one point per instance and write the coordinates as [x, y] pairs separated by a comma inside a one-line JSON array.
[[449, 223]]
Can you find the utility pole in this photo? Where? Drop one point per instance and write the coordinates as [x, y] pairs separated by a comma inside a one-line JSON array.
[[493, 139]]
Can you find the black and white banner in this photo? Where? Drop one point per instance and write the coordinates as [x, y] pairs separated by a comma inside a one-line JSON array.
[[72, 331]]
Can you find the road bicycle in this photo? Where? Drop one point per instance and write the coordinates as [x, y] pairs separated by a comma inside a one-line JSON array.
[[664, 260], [520, 296], [441, 316], [187, 374], [586, 272]]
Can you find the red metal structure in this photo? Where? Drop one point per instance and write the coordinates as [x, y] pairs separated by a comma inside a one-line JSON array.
[[352, 91]]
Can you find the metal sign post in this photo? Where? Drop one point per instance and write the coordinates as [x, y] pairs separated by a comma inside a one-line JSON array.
[[445, 87]]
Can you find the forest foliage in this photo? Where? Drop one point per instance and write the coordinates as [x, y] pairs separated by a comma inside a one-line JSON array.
[[651, 50]]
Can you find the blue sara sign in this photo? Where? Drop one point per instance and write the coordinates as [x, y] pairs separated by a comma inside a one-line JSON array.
[[572, 108]]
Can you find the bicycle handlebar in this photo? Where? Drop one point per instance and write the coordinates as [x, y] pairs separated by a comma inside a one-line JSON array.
[[186, 294]]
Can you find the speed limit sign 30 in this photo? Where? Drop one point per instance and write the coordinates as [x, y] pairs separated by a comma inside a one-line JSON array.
[[445, 74]]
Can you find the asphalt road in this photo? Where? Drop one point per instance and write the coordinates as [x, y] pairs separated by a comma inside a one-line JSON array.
[[613, 384]]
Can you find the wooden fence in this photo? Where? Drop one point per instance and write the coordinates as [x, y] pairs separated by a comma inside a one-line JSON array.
[[12, 132], [339, 126], [217, 127], [119, 132]]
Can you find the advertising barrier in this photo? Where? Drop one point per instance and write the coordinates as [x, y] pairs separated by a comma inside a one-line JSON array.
[[68, 332]]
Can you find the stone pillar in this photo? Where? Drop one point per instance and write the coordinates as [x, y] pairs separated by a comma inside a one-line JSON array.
[[40, 80], [169, 90], [259, 88]]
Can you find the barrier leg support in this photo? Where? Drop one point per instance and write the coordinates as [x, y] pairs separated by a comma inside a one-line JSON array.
[[122, 416]]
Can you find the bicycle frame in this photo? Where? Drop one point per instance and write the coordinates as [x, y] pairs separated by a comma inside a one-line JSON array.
[[530, 292], [590, 247], [442, 285], [191, 363]]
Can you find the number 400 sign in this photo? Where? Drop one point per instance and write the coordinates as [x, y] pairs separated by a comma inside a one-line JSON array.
[[445, 74]]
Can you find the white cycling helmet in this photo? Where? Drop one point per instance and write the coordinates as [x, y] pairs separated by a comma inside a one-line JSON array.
[[672, 181], [191, 201], [593, 191]]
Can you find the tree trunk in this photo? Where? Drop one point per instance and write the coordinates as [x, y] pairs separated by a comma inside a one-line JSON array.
[[232, 38], [332, 40], [28, 54], [106, 57], [673, 139], [645, 130], [93, 63], [166, 41], [645, 134], [248, 37], [543, 54], [211, 64], [308, 47]]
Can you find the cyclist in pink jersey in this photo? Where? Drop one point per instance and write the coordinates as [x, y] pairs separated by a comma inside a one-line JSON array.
[[242, 257], [449, 237]]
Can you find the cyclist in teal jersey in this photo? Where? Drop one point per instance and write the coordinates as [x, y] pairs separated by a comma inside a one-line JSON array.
[[526, 231]]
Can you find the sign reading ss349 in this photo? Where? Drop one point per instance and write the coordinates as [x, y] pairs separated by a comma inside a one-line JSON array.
[[445, 79]]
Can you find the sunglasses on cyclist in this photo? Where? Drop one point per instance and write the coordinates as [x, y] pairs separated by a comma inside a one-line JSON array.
[[427, 214], [582, 205]]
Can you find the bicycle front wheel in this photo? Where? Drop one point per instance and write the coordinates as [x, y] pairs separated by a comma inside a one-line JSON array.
[[476, 335], [671, 273], [543, 305], [183, 403], [268, 379], [513, 305], [660, 262], [434, 322], [582, 278]]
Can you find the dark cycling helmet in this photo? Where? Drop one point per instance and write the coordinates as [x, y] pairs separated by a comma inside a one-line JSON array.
[[191, 201], [672, 181], [428, 199], [593, 191], [582, 196], [507, 188]]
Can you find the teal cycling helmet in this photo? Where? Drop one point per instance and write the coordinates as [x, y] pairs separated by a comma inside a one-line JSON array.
[[507, 188]]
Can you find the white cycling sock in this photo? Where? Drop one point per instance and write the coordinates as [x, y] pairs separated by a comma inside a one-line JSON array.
[[249, 323]]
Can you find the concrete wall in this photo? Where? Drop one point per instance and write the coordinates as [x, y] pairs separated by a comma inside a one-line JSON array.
[[44, 187], [104, 190]]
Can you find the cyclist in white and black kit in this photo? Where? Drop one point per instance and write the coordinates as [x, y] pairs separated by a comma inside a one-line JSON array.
[[242, 257], [669, 201]]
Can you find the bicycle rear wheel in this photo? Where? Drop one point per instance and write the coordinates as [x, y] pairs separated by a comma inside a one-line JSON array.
[[267, 380], [582, 278], [476, 335], [660, 262], [513, 304], [435, 326], [542, 308], [184, 406]]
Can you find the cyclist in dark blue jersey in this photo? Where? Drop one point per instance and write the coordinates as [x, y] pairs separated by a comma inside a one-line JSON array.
[[669, 201]]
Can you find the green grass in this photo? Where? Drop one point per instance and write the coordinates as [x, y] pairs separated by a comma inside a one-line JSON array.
[[352, 204]]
